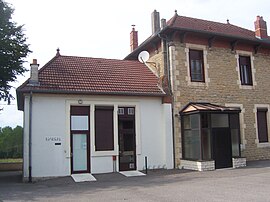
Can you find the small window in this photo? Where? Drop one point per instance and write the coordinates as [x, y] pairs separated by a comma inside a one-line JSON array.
[[121, 111], [262, 125], [196, 65], [79, 122], [130, 111], [245, 70]]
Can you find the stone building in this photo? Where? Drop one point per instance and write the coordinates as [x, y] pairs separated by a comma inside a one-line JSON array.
[[218, 78]]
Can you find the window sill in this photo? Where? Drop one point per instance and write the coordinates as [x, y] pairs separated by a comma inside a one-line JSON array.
[[248, 87], [197, 83], [263, 145]]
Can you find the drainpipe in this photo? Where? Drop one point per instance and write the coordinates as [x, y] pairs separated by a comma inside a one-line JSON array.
[[170, 77], [33, 81], [167, 64], [30, 137]]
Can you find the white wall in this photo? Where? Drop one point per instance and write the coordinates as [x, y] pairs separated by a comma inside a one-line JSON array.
[[51, 118]]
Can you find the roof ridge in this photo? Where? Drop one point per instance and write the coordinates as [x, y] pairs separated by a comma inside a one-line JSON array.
[[40, 70], [210, 21], [100, 58], [173, 19], [49, 62]]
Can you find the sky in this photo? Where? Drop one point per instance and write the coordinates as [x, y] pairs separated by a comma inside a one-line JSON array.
[[101, 28]]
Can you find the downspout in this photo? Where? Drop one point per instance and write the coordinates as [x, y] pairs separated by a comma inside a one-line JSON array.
[[169, 63], [30, 137], [166, 41]]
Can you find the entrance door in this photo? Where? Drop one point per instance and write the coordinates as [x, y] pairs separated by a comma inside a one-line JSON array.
[[127, 139], [222, 147], [80, 147]]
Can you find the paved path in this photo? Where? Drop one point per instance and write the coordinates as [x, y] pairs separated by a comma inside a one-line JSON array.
[[246, 184]]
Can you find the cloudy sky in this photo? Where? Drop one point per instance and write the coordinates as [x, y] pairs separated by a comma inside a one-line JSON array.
[[101, 28]]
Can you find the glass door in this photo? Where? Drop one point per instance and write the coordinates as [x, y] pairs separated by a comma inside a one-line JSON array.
[[79, 152], [127, 138], [80, 139]]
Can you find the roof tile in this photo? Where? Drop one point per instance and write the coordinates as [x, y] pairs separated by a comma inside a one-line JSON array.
[[96, 75], [210, 26]]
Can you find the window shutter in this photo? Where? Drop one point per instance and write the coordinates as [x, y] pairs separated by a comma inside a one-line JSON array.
[[262, 125], [104, 139]]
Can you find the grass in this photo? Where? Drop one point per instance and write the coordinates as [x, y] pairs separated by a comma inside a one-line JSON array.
[[11, 160]]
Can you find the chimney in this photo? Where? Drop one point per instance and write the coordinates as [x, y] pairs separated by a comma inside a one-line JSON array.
[[260, 28], [34, 73], [163, 23], [155, 22], [133, 39]]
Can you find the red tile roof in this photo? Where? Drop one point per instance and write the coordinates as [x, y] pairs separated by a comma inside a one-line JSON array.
[[210, 28], [194, 24], [85, 75]]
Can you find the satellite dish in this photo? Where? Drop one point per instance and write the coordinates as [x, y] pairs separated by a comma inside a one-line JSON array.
[[143, 56]]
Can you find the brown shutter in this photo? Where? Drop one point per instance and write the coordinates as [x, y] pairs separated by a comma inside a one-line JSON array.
[[104, 128], [80, 110], [262, 125]]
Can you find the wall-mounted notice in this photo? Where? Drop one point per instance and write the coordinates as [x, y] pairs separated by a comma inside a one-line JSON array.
[[54, 139]]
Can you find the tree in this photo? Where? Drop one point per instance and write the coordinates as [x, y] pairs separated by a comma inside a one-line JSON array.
[[11, 142], [13, 50]]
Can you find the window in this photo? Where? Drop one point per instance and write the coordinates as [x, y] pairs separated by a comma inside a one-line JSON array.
[[121, 111], [196, 65], [104, 128], [130, 111], [245, 70], [192, 146], [235, 134], [201, 134], [206, 136], [262, 125]]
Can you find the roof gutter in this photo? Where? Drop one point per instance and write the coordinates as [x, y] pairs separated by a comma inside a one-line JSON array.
[[168, 28], [20, 94], [93, 93], [266, 42]]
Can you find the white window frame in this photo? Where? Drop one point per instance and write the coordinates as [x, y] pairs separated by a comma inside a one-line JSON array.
[[121, 111], [206, 65], [253, 70], [131, 111], [97, 102]]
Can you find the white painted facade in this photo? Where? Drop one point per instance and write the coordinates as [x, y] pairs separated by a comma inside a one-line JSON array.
[[51, 124]]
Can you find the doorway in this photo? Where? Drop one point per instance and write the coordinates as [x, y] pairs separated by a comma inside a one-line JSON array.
[[222, 147], [80, 139], [127, 138]]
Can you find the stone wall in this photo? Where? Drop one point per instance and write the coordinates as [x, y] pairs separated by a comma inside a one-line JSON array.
[[223, 87], [239, 162], [197, 165]]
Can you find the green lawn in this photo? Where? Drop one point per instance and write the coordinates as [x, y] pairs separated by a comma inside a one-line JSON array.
[[11, 160]]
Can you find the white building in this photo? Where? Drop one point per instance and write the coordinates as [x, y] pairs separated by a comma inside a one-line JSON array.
[[92, 115]]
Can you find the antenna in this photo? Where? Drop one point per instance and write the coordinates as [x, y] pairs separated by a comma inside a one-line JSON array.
[[143, 56]]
